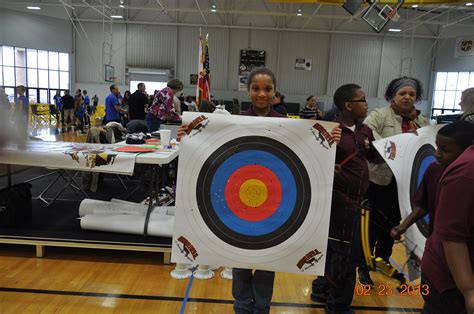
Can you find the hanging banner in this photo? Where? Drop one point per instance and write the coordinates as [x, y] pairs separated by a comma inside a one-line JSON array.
[[249, 60], [254, 192]]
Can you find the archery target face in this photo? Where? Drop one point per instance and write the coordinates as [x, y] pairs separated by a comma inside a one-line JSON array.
[[254, 193], [413, 155]]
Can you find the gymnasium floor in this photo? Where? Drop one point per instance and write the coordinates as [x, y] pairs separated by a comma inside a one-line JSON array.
[[71, 280]]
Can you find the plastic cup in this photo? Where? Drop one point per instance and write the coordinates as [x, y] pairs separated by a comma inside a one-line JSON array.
[[165, 136]]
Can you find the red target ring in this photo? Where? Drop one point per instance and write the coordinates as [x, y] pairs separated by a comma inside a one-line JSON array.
[[258, 202]]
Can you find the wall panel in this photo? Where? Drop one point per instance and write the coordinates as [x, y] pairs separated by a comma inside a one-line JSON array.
[[151, 46], [355, 59], [309, 46]]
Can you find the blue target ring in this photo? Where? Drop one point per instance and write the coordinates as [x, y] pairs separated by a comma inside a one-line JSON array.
[[252, 157], [423, 158]]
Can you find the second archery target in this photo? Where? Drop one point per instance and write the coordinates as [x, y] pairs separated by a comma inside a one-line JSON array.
[[408, 156]]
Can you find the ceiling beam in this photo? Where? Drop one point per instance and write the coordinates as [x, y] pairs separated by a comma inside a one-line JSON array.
[[263, 28], [312, 15], [200, 11], [243, 12]]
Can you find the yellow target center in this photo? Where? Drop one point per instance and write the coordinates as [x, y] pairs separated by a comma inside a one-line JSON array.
[[253, 193]]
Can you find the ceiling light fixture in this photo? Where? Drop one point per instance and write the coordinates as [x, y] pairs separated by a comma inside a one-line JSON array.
[[469, 4], [299, 13], [122, 6], [33, 8], [394, 30], [415, 6], [116, 16]]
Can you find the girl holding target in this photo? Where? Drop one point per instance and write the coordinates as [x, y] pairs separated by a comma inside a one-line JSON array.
[[253, 290]]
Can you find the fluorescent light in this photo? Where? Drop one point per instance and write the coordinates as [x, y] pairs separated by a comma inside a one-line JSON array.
[[116, 16], [299, 14], [122, 6], [33, 8], [213, 10], [415, 6], [395, 30], [469, 4]]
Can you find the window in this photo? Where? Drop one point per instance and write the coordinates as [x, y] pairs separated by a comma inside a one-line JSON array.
[[9, 76], [33, 68], [20, 57], [64, 62], [32, 78], [8, 56], [43, 78], [32, 60], [448, 89], [53, 61], [42, 59]]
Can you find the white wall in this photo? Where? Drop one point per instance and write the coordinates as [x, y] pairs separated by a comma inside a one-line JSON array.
[[337, 59], [445, 60], [35, 31]]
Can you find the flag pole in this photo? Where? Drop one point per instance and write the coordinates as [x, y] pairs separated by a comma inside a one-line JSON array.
[[199, 69]]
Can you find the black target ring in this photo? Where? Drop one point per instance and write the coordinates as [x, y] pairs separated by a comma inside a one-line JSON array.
[[423, 158], [298, 212]]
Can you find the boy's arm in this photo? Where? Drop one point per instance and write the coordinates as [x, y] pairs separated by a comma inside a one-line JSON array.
[[459, 263], [416, 214]]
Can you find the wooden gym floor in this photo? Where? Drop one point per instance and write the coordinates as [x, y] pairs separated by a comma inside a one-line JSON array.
[[72, 280]]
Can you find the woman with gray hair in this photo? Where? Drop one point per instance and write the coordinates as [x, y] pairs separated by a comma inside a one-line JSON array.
[[399, 117], [467, 105]]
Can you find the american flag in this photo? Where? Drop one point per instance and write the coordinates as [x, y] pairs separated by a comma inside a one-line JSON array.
[[204, 82]]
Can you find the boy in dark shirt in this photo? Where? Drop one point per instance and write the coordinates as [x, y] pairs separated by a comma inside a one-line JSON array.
[[448, 260], [424, 200], [350, 184]]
